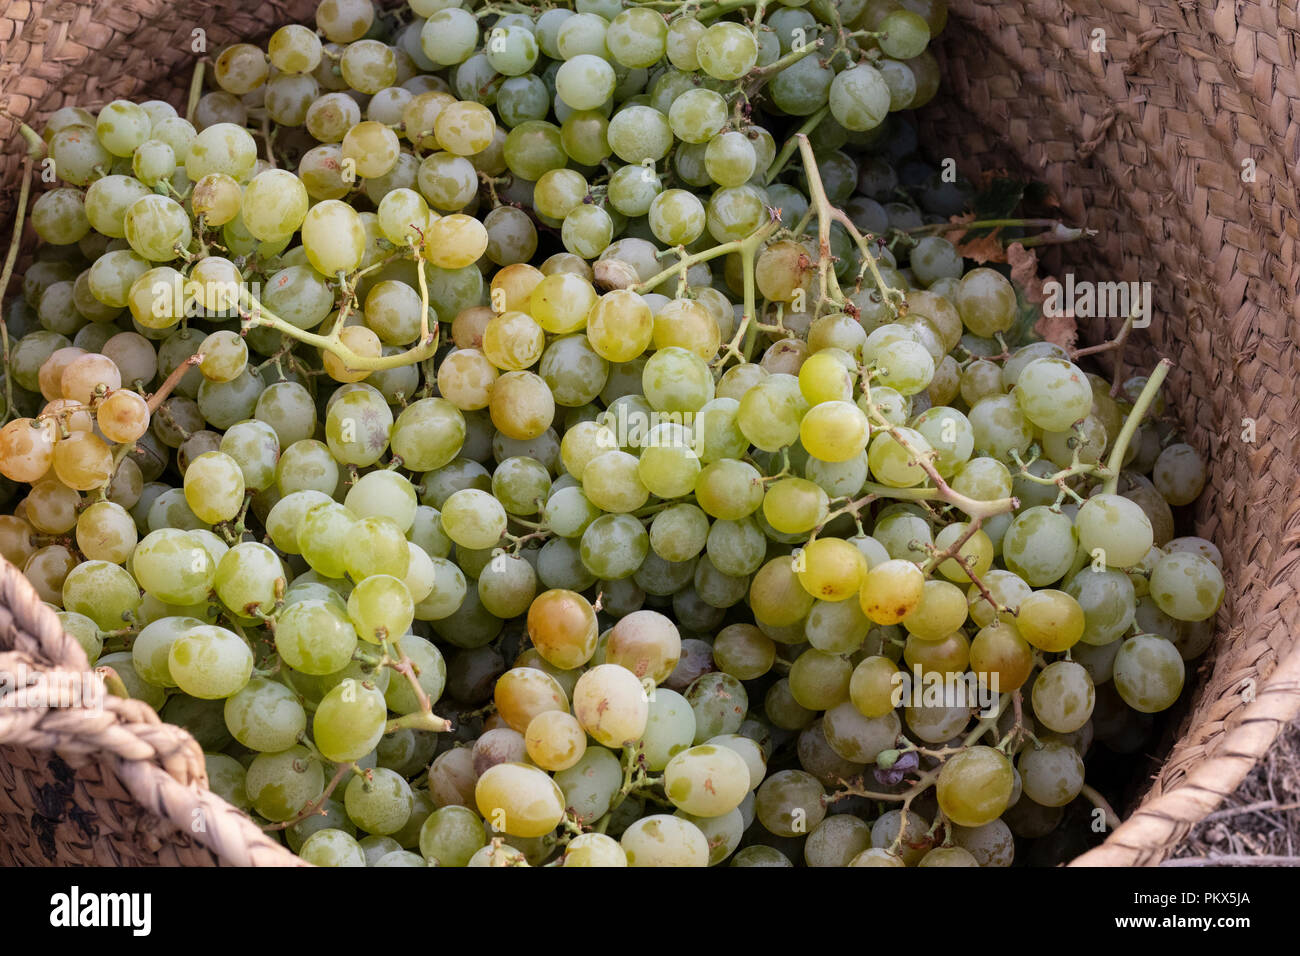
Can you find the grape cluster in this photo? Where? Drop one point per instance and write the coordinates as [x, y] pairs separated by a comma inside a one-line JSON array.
[[508, 438]]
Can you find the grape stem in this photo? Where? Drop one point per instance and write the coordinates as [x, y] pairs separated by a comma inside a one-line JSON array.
[[753, 241], [953, 551], [316, 806], [112, 681], [791, 144], [926, 780], [1152, 388], [716, 10], [1056, 227], [196, 89], [1102, 804], [755, 78], [826, 214], [254, 313], [20, 213], [172, 380], [424, 718]]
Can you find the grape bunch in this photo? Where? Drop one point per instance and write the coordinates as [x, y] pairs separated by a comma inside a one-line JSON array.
[[511, 435]]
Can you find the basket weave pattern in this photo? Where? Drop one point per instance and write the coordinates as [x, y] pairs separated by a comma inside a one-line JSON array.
[[1143, 141]]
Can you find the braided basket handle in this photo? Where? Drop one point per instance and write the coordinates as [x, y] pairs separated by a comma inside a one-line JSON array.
[[160, 764], [1155, 827]]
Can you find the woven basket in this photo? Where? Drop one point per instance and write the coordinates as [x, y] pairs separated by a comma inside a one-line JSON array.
[[1143, 141]]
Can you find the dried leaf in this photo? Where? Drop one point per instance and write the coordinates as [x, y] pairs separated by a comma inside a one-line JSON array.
[[983, 249], [1060, 329], [1024, 271]]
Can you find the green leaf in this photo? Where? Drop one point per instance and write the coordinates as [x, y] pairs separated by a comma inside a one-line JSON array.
[[1000, 199]]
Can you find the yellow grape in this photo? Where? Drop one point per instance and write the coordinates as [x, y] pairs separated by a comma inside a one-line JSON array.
[[891, 590], [831, 569]]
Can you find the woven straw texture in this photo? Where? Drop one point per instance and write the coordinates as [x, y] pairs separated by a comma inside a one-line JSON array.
[[1143, 141]]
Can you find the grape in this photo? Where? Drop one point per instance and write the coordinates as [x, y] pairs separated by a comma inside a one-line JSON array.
[[1187, 587], [209, 662], [1039, 545], [349, 721], [582, 467], [519, 800], [610, 703], [975, 786], [706, 781], [265, 716], [1051, 774], [662, 840], [316, 637], [280, 784]]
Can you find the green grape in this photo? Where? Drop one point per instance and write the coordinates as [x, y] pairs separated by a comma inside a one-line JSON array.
[[533, 148], [729, 489], [246, 578], [1039, 545], [770, 413], [835, 432], [730, 159], [209, 662], [789, 803], [587, 231], [1063, 696], [706, 780], [1050, 620], [173, 567], [380, 804], [726, 51], [1051, 774], [677, 380], [59, 216], [895, 463], [122, 126], [803, 87], [663, 840], [986, 301], [795, 505], [1148, 673], [265, 716], [677, 217], [637, 38], [638, 134], [735, 213], [294, 49], [333, 237], [77, 152], [428, 434], [1179, 474], [1114, 529], [614, 546], [314, 636], [281, 784], [349, 721], [222, 148], [584, 82], [905, 34], [358, 425], [214, 487], [473, 518], [1187, 587], [449, 36], [698, 115], [719, 702]]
